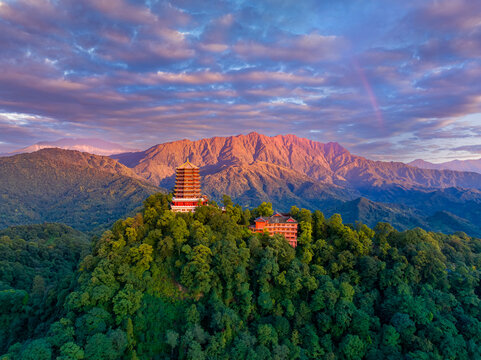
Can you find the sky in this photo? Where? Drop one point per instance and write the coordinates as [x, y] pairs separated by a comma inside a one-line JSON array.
[[387, 79]]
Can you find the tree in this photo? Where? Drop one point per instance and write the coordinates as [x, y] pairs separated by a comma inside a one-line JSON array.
[[267, 335], [352, 347], [71, 351], [101, 347], [294, 212], [264, 209], [196, 274], [171, 339], [61, 332], [318, 225], [126, 302], [37, 350], [179, 231], [227, 201]]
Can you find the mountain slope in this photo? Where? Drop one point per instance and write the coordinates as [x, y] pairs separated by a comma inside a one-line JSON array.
[[250, 184], [82, 190], [457, 165], [404, 217]]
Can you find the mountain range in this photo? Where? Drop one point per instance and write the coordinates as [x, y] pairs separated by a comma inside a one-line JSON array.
[[458, 165], [328, 163], [288, 170], [89, 191]]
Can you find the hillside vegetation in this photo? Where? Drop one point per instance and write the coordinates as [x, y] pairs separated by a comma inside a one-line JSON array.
[[78, 189], [162, 285], [37, 269]]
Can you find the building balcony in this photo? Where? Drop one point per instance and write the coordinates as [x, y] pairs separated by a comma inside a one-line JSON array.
[[187, 198]]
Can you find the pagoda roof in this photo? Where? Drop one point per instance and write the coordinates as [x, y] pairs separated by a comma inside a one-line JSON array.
[[187, 165]]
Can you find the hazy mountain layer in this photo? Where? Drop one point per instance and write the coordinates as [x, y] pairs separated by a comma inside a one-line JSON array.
[[93, 146], [457, 165]]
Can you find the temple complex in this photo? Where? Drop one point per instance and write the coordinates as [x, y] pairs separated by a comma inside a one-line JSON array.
[[277, 224], [187, 195]]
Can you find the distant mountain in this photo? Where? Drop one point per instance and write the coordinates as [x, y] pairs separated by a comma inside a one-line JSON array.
[[288, 170], [93, 146], [370, 213], [457, 165], [329, 163], [82, 190], [406, 217], [444, 221]]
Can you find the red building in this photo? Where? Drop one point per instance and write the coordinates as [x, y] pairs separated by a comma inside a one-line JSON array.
[[187, 194], [277, 224]]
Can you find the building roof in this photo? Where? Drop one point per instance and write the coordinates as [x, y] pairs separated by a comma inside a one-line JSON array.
[[187, 165], [277, 219]]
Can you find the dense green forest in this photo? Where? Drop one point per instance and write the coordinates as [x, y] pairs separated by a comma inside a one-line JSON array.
[[200, 286], [37, 269]]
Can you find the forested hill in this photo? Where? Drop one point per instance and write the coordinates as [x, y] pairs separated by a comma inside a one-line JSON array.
[[162, 285], [37, 269], [79, 189]]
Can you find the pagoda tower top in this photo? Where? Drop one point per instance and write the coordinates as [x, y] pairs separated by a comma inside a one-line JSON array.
[[187, 165]]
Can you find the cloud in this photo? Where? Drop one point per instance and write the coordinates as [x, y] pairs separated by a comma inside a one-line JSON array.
[[121, 10], [474, 149], [449, 15], [150, 72]]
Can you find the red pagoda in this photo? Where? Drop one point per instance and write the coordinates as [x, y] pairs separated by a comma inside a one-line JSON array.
[[187, 194]]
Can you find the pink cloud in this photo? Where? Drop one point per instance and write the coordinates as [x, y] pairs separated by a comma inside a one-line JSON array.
[[116, 36], [280, 76], [161, 44], [121, 10], [38, 15], [450, 14], [308, 48], [465, 14], [204, 77], [216, 48], [212, 77]]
